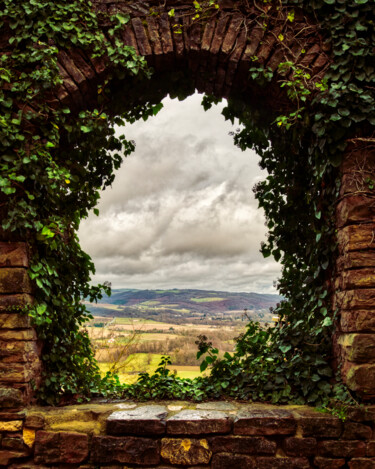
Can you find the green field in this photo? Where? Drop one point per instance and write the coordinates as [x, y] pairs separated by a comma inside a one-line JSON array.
[[206, 300], [143, 362]]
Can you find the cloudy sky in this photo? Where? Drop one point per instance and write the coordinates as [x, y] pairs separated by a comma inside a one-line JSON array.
[[181, 212]]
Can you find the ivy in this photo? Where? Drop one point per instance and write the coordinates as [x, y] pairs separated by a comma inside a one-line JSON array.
[[56, 159]]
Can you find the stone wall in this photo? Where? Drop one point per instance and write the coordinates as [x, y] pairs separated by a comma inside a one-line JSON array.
[[221, 435], [355, 285], [20, 364]]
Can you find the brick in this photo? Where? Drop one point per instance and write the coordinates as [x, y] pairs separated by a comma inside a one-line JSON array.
[[327, 463], [198, 422], [141, 36], [47, 450], [356, 431], [185, 451], [300, 446], [10, 398], [229, 461], [242, 445], [145, 420], [370, 450], [318, 425], [7, 457], [73, 447], [359, 348], [14, 321], [264, 421], [361, 299], [355, 209], [18, 372], [15, 443], [129, 37], [124, 450], [362, 463], [360, 378], [19, 351], [13, 302], [352, 279], [35, 421], [232, 33], [14, 280], [356, 237], [342, 449], [11, 426], [18, 334], [13, 255], [361, 321], [282, 463], [356, 259]]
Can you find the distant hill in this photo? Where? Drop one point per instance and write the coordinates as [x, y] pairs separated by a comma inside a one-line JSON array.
[[181, 305]]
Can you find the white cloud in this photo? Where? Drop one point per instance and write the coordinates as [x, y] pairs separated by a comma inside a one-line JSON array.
[[181, 212]]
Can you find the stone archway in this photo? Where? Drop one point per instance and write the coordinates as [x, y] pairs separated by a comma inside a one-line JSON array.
[[217, 56]]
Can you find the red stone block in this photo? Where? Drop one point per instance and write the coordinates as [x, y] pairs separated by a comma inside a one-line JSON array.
[[342, 449], [356, 431], [13, 255], [73, 447], [362, 463], [263, 421], [230, 461], [282, 463], [242, 445], [300, 446], [327, 463]]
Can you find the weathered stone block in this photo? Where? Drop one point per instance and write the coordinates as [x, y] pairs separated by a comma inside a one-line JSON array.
[[327, 463], [14, 280], [356, 260], [13, 254], [125, 450], [10, 398], [185, 451], [359, 348], [19, 351], [360, 378], [342, 449], [361, 299], [300, 446], [14, 321], [370, 451], [361, 321], [356, 238], [199, 422], [145, 420], [11, 426], [60, 447], [36, 421], [355, 209], [7, 457], [315, 424], [28, 436], [12, 302], [229, 461], [73, 447], [47, 449], [282, 463], [18, 334], [18, 372], [362, 463], [352, 279], [356, 431], [15, 443], [263, 421], [242, 445]]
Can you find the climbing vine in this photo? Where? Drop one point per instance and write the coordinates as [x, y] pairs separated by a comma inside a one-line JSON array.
[[55, 158]]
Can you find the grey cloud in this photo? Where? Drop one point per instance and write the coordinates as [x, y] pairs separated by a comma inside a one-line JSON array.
[[181, 212]]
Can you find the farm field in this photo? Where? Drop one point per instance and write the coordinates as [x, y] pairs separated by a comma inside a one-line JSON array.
[[132, 329], [129, 347]]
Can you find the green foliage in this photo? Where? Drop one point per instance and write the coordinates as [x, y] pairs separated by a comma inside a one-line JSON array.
[[53, 164], [55, 160]]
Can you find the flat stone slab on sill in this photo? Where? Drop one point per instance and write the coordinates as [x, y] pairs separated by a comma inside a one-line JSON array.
[[144, 420], [196, 422], [264, 421]]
